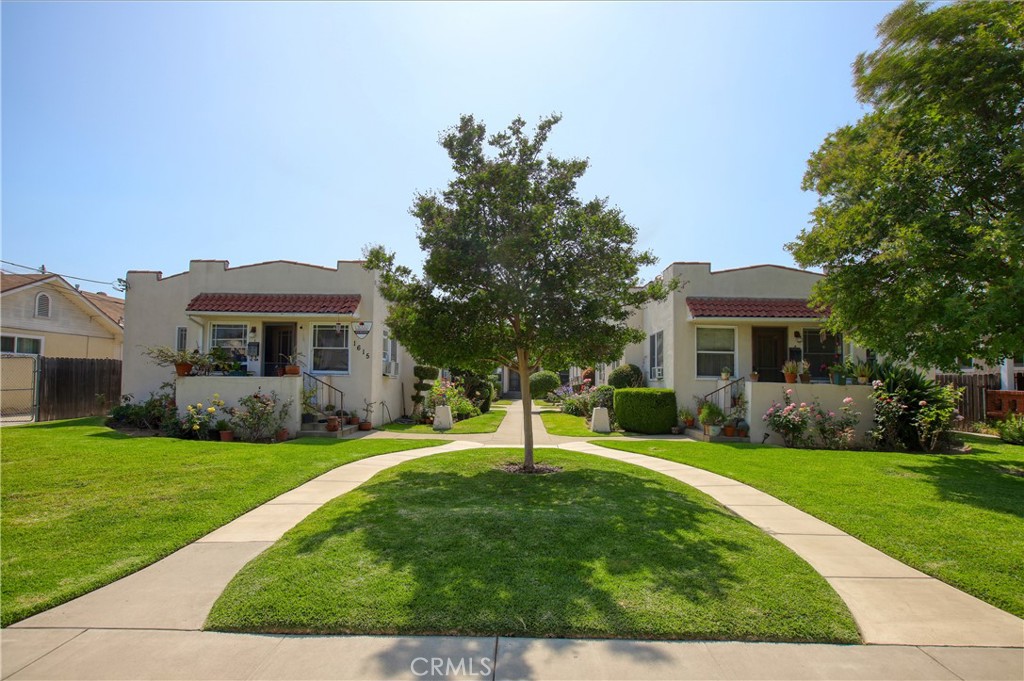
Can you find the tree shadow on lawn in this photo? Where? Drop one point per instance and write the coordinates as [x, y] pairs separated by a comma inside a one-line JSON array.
[[580, 553], [965, 479]]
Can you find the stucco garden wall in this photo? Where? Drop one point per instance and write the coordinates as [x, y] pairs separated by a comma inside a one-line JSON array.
[[761, 395], [193, 389]]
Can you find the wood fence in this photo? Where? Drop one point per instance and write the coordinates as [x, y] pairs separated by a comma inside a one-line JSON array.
[[972, 402], [74, 387]]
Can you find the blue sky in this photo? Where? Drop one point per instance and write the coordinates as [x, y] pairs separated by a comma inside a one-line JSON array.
[[141, 135]]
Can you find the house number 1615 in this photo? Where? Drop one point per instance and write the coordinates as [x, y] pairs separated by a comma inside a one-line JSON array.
[[359, 348]]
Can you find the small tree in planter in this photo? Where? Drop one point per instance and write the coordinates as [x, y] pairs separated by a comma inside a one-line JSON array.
[[711, 417]]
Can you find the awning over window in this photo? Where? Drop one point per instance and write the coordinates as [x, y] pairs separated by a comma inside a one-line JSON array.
[[774, 308], [276, 303]]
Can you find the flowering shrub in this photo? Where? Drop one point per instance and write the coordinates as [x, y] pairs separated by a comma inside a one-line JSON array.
[[198, 419], [789, 420], [1012, 429], [913, 412], [934, 420], [836, 430], [451, 394], [258, 417], [584, 402]]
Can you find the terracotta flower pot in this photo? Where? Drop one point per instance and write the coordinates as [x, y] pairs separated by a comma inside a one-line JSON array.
[[365, 425], [227, 436], [183, 369], [790, 378], [805, 378], [291, 370], [353, 420], [729, 431], [282, 435], [689, 423], [332, 424]]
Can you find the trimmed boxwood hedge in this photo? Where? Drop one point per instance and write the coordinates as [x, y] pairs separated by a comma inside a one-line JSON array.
[[646, 410]]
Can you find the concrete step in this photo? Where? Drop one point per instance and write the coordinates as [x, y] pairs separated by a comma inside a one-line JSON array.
[[698, 434], [320, 430]]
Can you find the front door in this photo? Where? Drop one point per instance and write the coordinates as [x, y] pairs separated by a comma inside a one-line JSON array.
[[513, 381], [769, 345], [278, 344]]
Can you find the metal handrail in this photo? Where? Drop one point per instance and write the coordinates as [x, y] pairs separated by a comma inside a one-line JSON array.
[[720, 396], [325, 393]]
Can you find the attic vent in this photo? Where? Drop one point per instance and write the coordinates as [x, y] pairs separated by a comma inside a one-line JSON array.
[[42, 305]]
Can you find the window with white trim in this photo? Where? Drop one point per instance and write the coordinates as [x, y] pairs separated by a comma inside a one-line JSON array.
[[231, 338], [22, 345], [330, 348], [42, 305], [181, 339], [656, 348], [390, 357], [716, 350]]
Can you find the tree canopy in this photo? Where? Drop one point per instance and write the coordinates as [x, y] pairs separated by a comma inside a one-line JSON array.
[[519, 272], [919, 217]]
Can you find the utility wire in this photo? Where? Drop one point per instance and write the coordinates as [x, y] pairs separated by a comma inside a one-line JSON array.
[[120, 284]]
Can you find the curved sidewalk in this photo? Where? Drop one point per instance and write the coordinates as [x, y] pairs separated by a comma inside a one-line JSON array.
[[148, 624]]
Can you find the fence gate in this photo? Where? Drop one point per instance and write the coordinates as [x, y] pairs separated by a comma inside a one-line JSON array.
[[19, 388], [972, 402]]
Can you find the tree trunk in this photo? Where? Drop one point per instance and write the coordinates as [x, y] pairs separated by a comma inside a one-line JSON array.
[[524, 387]]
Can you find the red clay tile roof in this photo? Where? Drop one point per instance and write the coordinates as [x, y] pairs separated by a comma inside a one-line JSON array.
[[288, 303], [750, 307]]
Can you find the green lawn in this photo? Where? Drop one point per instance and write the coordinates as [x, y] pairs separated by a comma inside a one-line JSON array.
[[485, 423], [449, 544], [501, 403], [84, 505], [957, 517], [557, 423]]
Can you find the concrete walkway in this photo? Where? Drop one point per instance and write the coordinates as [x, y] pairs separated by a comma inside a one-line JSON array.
[[147, 625]]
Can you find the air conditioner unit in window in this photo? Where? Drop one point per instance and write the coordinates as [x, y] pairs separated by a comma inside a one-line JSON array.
[[657, 373]]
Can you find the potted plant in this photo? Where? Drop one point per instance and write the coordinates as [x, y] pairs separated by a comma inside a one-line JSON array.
[[353, 419], [333, 424], [711, 417], [838, 373], [368, 410], [308, 407], [726, 373], [686, 416], [863, 371], [329, 409], [281, 435], [742, 428], [224, 428], [729, 428], [292, 364], [805, 372], [754, 376], [183, 361], [791, 369]]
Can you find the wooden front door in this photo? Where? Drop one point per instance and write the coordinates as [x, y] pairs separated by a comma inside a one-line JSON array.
[[513, 382], [769, 346], [278, 343]]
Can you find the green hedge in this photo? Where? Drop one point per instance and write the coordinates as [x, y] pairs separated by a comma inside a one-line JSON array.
[[543, 382], [646, 410], [626, 376]]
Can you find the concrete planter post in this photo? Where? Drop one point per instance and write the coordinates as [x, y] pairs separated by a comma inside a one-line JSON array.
[[443, 418], [599, 421]]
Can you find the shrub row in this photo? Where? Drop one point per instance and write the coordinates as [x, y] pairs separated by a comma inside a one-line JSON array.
[[646, 410]]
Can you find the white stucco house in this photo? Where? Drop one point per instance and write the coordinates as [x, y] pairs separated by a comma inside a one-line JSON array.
[[262, 314]]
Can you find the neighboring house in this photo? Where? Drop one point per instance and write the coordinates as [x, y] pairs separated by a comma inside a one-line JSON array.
[[261, 314], [44, 315]]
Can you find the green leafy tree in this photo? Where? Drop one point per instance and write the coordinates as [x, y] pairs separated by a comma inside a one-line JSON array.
[[919, 217], [519, 272]]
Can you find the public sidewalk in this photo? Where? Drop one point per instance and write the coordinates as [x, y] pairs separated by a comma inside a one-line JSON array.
[[148, 624]]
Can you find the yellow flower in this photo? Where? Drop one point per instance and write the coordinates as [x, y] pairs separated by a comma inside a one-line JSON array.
[[210, 410], [199, 405], [216, 396], [195, 427]]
